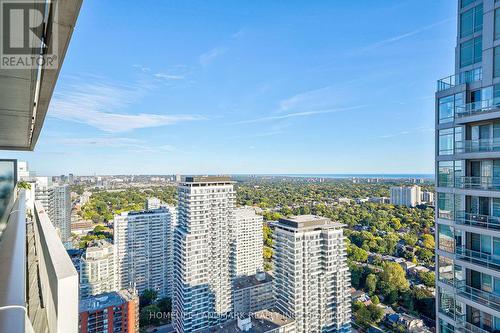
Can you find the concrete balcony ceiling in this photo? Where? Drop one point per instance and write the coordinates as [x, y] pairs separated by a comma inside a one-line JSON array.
[[22, 112]]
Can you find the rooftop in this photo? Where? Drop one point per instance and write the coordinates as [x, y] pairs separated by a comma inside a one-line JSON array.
[[262, 321], [250, 281], [102, 301], [207, 179], [308, 221]]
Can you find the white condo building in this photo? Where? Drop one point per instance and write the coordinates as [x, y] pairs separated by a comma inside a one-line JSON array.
[[143, 249], [97, 269], [153, 203], [311, 277], [56, 199], [202, 276], [247, 241], [409, 196]]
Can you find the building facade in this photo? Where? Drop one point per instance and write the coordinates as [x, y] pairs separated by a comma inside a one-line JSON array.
[[56, 199], [110, 312], [97, 269], [408, 196], [60, 212], [428, 197], [143, 249], [311, 277], [202, 252], [247, 240], [252, 294], [468, 176]]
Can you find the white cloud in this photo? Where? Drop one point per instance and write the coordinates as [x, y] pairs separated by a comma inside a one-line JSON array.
[[94, 104], [417, 130], [130, 144], [313, 99], [405, 35], [166, 76], [210, 56], [142, 68], [298, 114]]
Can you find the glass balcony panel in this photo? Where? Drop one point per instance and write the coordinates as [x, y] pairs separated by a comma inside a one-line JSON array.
[[464, 326], [451, 81], [477, 220], [479, 107], [479, 183], [477, 146], [478, 258], [479, 296]]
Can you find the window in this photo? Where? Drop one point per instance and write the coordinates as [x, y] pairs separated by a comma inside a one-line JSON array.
[[446, 303], [445, 174], [447, 107], [497, 23], [465, 3], [471, 21], [496, 62], [446, 238], [446, 138], [471, 51], [445, 205], [445, 270]]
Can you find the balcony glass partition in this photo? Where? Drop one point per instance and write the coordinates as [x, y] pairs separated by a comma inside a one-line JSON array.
[[8, 180], [479, 107], [451, 81]]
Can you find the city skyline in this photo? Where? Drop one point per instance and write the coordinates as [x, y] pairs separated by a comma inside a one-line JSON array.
[[262, 85]]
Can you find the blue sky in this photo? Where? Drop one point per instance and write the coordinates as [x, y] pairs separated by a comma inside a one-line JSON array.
[[248, 87]]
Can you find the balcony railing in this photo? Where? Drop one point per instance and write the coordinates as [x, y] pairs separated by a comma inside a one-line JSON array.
[[478, 258], [477, 146], [473, 75], [13, 266], [464, 326], [477, 220], [479, 183], [39, 284], [58, 276], [479, 296], [479, 107]]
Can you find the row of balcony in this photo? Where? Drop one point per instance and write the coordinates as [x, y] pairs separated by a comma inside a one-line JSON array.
[[485, 183]]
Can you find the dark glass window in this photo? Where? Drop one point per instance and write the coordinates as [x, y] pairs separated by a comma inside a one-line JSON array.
[[471, 21], [496, 62], [471, 51], [465, 3]]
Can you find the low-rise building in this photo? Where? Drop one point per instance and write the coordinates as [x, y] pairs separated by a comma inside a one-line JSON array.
[[110, 312], [265, 321], [252, 293]]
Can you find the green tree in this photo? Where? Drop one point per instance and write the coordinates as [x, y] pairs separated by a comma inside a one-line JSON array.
[[363, 316], [427, 278], [376, 313], [357, 254], [371, 283], [375, 300], [149, 315], [428, 241], [24, 185], [394, 275], [268, 253], [268, 233], [147, 297]]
